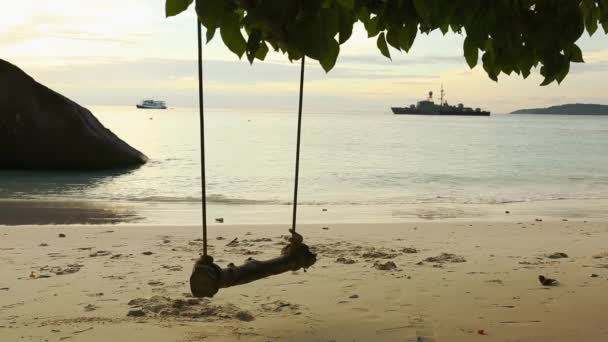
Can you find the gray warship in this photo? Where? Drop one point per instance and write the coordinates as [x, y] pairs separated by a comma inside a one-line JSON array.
[[428, 107]]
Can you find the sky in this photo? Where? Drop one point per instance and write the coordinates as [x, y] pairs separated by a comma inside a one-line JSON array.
[[117, 52]]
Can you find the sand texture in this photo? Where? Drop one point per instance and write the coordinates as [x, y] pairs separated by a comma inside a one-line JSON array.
[[428, 281]]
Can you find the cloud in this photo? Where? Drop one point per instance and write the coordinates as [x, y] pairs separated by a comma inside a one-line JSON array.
[[407, 60]]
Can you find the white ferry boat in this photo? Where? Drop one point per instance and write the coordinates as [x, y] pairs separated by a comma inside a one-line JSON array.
[[151, 104]]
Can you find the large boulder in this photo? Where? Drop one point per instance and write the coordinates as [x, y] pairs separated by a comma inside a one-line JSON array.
[[42, 129]]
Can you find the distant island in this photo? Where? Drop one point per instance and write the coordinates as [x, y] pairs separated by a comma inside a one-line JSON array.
[[568, 109]]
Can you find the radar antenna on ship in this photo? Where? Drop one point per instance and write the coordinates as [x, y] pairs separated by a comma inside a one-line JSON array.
[[442, 100]]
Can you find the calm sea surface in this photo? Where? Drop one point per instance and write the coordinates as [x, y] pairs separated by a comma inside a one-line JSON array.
[[347, 159]]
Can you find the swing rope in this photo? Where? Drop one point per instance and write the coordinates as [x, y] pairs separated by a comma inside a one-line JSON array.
[[202, 140], [202, 133], [297, 176]]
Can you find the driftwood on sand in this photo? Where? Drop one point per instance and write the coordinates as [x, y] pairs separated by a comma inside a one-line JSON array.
[[207, 277]]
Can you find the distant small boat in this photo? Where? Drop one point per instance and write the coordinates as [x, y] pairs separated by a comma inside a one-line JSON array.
[[151, 104]]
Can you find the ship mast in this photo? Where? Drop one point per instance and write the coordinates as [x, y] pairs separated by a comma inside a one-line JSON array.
[[441, 99]]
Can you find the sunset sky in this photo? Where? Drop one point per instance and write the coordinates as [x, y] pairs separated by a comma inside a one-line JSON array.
[[117, 52]]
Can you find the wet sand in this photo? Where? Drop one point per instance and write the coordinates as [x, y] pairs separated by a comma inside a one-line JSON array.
[[37, 212], [451, 281], [51, 212]]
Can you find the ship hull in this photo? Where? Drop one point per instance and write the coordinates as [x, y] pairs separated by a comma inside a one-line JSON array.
[[414, 111], [148, 107]]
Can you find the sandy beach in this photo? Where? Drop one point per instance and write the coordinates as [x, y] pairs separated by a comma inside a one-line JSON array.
[[129, 283]]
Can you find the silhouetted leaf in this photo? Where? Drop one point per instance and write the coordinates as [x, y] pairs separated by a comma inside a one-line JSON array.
[[175, 7], [576, 55], [381, 42], [514, 36], [232, 36], [330, 55], [471, 52]]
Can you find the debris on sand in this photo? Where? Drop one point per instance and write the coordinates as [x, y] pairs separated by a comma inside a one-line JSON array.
[[61, 235], [147, 253], [379, 254], [90, 307], [600, 255], [345, 261], [244, 316], [99, 253], [280, 306], [233, 243], [173, 268], [259, 240], [387, 266], [557, 255], [57, 270], [547, 281], [355, 296], [136, 313], [538, 220], [219, 220], [190, 307], [593, 275], [409, 250], [43, 244], [446, 257]]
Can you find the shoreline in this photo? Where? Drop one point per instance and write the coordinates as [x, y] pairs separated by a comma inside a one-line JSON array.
[[96, 276], [54, 212]]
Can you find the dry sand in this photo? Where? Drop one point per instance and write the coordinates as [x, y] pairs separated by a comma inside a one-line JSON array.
[[82, 286]]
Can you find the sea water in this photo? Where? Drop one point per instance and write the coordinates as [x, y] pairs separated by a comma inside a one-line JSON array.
[[347, 159]]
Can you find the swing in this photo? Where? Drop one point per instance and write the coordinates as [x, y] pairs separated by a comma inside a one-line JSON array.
[[207, 277]]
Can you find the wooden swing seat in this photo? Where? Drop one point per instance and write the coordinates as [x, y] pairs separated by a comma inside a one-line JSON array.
[[207, 277]]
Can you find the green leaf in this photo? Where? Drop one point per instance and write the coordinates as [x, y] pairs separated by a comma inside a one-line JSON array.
[[348, 4], [591, 20], [423, 8], [576, 55], [212, 12], [230, 31], [392, 37], [262, 51], [489, 65], [175, 7], [330, 20], [330, 55], [563, 72], [407, 36], [210, 33], [372, 27], [471, 52], [346, 27], [605, 25], [253, 44], [381, 42], [548, 80]]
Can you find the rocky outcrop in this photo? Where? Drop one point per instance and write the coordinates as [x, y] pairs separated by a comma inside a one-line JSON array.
[[41, 129]]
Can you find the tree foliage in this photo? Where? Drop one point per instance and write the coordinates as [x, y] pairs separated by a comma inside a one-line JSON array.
[[512, 36]]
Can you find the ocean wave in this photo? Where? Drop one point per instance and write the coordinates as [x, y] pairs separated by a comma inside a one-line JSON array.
[[213, 198], [220, 199]]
